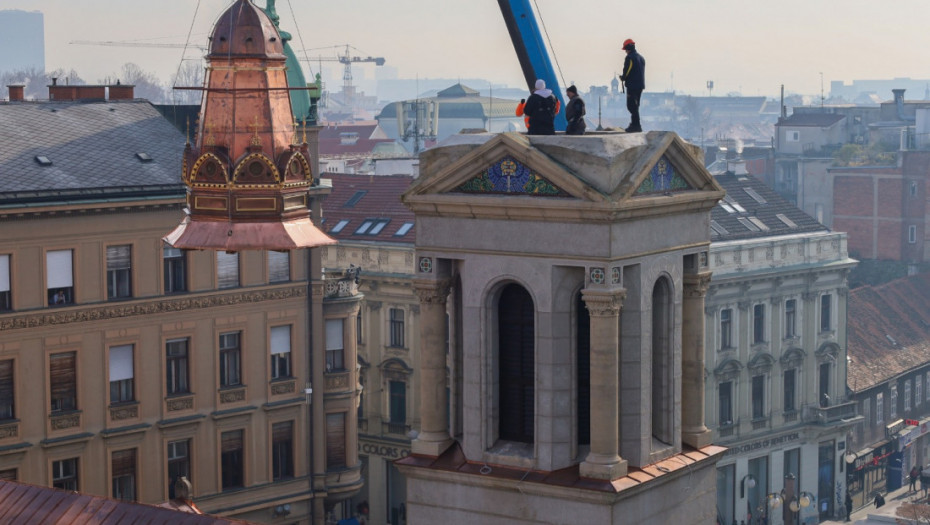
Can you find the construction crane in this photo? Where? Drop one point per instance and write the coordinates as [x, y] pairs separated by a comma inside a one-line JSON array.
[[348, 89]]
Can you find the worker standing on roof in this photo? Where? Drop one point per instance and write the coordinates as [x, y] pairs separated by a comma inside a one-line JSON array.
[[541, 108], [574, 113], [634, 78]]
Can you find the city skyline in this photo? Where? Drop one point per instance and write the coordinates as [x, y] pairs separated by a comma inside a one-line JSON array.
[[753, 52]]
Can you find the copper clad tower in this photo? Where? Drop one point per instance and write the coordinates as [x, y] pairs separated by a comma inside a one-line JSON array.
[[248, 175]]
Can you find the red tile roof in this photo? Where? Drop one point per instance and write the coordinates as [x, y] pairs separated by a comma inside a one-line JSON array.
[[23, 503], [376, 197], [888, 331]]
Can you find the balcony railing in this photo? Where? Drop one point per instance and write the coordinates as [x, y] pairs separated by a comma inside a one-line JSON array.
[[388, 427], [829, 415]]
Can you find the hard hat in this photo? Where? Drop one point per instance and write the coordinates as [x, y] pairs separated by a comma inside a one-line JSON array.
[[628, 42]]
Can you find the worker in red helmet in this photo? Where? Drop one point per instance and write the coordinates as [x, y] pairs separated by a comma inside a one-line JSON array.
[[633, 77]]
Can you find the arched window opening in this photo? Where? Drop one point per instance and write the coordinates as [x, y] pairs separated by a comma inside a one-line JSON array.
[[516, 354], [583, 363], [662, 406]]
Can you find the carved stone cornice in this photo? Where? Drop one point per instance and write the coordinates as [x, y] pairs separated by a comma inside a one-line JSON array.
[[153, 307], [603, 303], [432, 292], [696, 285]]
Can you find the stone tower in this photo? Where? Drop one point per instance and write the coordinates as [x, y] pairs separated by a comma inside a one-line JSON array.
[[569, 385]]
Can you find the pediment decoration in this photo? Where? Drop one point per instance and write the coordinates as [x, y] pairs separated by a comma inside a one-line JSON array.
[[208, 170], [827, 352], [298, 170], [663, 177], [256, 170], [510, 176], [728, 370], [761, 363], [792, 358]]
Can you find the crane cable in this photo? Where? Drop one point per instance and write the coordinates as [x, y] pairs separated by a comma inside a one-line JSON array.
[[548, 41], [187, 42], [301, 38]]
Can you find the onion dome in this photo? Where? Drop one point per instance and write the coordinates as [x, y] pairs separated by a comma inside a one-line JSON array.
[[245, 30]]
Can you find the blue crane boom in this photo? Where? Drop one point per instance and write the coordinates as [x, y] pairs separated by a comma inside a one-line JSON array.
[[531, 49]]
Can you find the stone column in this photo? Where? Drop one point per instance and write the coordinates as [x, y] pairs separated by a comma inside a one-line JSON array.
[[693, 431], [604, 461], [434, 438]]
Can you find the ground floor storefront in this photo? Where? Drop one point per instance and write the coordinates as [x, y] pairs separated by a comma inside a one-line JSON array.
[[384, 494], [791, 477]]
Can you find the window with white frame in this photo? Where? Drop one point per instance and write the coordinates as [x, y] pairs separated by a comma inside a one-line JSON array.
[[907, 396], [918, 390], [227, 270], [280, 352], [879, 409], [230, 359], [6, 299], [279, 267], [119, 271], [335, 350], [726, 328], [397, 327], [893, 401], [912, 234], [175, 268], [121, 374], [59, 277]]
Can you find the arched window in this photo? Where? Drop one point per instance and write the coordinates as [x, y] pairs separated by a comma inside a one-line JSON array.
[[662, 406], [516, 354], [583, 362]]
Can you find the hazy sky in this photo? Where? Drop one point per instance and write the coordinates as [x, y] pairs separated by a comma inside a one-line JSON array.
[[750, 46]]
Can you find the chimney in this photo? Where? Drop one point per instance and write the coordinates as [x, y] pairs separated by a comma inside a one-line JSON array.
[[16, 92], [121, 91]]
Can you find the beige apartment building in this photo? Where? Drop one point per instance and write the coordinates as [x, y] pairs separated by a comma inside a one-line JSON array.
[[126, 363]]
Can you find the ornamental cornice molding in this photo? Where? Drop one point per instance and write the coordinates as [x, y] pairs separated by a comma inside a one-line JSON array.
[[432, 291], [160, 306]]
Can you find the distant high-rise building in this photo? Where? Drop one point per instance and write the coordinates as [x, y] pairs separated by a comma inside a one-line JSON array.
[[22, 40]]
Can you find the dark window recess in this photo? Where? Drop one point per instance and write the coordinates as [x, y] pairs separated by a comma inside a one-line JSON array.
[[227, 270], [725, 400], [7, 405], [231, 459], [790, 317], [758, 397], [6, 302], [279, 267], [8, 475], [397, 327], [826, 302], [63, 381], [584, 372], [175, 262], [726, 328], [123, 463], [790, 388], [335, 440], [758, 323], [398, 402], [516, 349], [282, 450]]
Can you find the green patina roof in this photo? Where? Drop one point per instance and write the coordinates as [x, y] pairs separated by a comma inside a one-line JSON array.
[[300, 100]]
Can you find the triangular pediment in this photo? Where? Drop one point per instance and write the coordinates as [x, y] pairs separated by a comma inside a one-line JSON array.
[[504, 165], [611, 176]]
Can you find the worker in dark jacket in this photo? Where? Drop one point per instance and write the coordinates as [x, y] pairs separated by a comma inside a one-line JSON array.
[[574, 113], [634, 78], [541, 108]]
